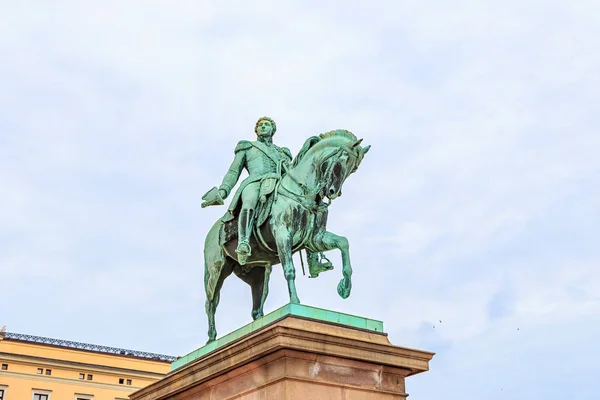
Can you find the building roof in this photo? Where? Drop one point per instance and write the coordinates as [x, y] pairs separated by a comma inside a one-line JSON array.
[[85, 346]]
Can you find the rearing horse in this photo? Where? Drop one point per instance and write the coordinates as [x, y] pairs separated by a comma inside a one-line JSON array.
[[297, 220]]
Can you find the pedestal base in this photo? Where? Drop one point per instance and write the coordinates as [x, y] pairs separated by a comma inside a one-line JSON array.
[[295, 358]]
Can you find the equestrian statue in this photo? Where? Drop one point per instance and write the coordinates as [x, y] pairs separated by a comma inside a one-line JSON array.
[[279, 209]]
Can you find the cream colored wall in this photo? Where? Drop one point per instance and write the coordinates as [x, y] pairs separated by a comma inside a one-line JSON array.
[[66, 354], [66, 365], [21, 388]]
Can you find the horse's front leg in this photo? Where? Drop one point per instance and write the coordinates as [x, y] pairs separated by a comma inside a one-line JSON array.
[[328, 241], [283, 238]]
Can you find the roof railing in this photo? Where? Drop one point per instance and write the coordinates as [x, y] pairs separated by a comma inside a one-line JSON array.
[[86, 346]]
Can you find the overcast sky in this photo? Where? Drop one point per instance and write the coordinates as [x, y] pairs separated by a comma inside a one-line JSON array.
[[477, 206]]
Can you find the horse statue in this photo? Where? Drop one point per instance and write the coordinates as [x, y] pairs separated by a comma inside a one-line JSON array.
[[292, 217]]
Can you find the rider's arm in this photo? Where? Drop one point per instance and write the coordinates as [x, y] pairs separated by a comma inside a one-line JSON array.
[[235, 170]]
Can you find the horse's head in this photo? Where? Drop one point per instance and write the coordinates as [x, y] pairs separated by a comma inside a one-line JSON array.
[[336, 155]]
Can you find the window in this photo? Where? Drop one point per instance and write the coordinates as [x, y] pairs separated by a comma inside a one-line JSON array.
[[129, 381], [48, 372], [81, 376], [40, 394], [40, 371], [90, 377], [1, 394], [4, 368], [121, 381]]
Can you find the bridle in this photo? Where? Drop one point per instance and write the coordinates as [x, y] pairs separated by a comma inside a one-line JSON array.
[[310, 205]]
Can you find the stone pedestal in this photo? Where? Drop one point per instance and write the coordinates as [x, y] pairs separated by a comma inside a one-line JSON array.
[[295, 357]]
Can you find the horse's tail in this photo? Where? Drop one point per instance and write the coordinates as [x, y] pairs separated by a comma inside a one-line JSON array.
[[214, 260]]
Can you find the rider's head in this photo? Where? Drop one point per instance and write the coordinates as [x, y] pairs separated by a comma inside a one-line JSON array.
[[265, 126]]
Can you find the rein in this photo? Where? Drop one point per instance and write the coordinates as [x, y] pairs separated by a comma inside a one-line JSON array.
[[305, 200]]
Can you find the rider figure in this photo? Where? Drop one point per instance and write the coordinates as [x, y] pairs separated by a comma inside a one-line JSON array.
[[260, 158]]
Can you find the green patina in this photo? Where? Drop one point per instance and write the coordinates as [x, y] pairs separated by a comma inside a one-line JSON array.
[[298, 310], [278, 210]]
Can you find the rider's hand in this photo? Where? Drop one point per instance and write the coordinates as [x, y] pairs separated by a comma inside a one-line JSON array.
[[213, 197]]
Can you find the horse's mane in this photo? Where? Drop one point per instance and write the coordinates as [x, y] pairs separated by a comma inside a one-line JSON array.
[[311, 141], [338, 132]]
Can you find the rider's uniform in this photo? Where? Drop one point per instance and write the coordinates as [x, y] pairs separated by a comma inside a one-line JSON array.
[[261, 160]]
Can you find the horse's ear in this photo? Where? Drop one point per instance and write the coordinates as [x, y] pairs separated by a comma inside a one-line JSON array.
[[356, 143], [366, 149]]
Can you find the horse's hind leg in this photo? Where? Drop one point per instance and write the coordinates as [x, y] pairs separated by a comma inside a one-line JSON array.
[[258, 279], [213, 301]]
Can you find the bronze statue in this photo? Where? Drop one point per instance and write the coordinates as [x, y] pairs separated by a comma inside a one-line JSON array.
[[282, 211]]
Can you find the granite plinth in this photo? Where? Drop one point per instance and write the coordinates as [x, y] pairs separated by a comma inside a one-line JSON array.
[[295, 357]]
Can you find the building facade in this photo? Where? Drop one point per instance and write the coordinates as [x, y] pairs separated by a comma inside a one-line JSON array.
[[37, 368]]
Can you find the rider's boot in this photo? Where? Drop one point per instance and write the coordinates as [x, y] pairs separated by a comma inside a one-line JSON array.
[[244, 231], [316, 266]]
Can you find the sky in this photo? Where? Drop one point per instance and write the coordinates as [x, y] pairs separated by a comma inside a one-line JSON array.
[[473, 221]]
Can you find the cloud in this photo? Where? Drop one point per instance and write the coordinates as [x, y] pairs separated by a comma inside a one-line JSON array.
[[478, 204], [502, 304]]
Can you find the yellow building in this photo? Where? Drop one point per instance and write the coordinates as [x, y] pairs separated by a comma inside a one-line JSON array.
[[37, 368]]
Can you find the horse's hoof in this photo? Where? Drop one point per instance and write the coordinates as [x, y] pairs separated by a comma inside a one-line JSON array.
[[344, 288], [212, 336]]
